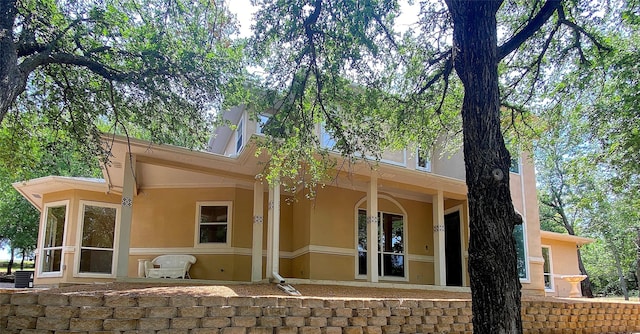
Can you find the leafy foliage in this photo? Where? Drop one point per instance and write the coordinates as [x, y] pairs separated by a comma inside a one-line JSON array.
[[153, 69]]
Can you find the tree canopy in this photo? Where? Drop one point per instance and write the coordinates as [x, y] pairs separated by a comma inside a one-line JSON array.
[[83, 67], [344, 66]]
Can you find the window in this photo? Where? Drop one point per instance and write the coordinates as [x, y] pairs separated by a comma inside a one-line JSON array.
[[214, 219], [518, 234], [515, 165], [54, 226], [97, 246], [326, 138], [548, 274], [423, 161], [239, 135], [260, 124], [390, 244]]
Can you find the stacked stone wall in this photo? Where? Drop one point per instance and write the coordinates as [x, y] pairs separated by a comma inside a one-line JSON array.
[[43, 313]]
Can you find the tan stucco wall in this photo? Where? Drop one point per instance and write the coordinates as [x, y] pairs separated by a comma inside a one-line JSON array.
[[564, 261]]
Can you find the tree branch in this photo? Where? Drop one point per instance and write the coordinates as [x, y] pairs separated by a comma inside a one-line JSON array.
[[531, 28]]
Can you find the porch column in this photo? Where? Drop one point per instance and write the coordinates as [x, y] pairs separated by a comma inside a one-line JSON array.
[[256, 247], [439, 253], [372, 230], [126, 212], [273, 233]]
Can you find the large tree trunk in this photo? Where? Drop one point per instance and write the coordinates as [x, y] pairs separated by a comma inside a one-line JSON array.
[[495, 285], [12, 80], [585, 285]]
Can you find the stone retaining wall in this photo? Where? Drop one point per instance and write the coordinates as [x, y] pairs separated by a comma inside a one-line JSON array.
[[31, 313]]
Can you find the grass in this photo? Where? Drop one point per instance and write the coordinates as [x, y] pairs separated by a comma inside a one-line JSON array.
[[28, 265]]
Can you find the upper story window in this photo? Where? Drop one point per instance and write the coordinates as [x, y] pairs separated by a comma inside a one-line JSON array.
[[55, 219], [214, 223], [423, 160], [326, 138], [239, 135], [262, 121], [98, 238], [515, 165]]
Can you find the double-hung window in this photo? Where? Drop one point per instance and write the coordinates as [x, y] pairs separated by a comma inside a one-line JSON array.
[[239, 135], [548, 272], [423, 161], [98, 241], [55, 218], [261, 123], [214, 223]]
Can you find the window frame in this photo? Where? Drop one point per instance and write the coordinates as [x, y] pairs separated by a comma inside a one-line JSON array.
[[381, 252], [518, 165], [239, 142], [259, 123], [41, 241], [426, 168], [525, 245], [229, 223], [550, 273], [79, 248], [326, 137]]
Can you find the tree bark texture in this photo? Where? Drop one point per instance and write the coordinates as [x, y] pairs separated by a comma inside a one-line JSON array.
[[12, 80], [495, 285]]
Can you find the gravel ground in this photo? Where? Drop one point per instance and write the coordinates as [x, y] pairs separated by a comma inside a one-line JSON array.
[[262, 289]]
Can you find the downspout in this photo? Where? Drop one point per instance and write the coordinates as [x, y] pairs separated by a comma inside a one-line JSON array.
[[274, 227]]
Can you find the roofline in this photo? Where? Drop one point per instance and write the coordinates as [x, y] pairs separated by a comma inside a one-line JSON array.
[[76, 182], [565, 237]]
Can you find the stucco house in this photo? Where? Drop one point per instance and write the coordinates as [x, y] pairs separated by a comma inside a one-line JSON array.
[[404, 222]]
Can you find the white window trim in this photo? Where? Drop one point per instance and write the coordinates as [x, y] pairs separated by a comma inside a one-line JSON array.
[[259, 125], [552, 289], [525, 238], [418, 167], [240, 131], [196, 239], [43, 223], [78, 248], [519, 167], [405, 227]]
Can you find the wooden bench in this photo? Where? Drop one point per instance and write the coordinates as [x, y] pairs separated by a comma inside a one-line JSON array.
[[169, 266]]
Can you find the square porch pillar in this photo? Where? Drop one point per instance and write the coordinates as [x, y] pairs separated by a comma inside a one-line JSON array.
[[258, 226], [439, 252], [372, 230], [126, 213]]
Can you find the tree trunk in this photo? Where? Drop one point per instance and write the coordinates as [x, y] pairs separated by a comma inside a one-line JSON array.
[[495, 285], [10, 265], [12, 80], [585, 285], [22, 253], [623, 282]]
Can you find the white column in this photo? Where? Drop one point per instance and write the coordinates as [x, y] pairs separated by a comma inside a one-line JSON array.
[[273, 238], [372, 230], [439, 253], [270, 233], [258, 226], [126, 212]]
